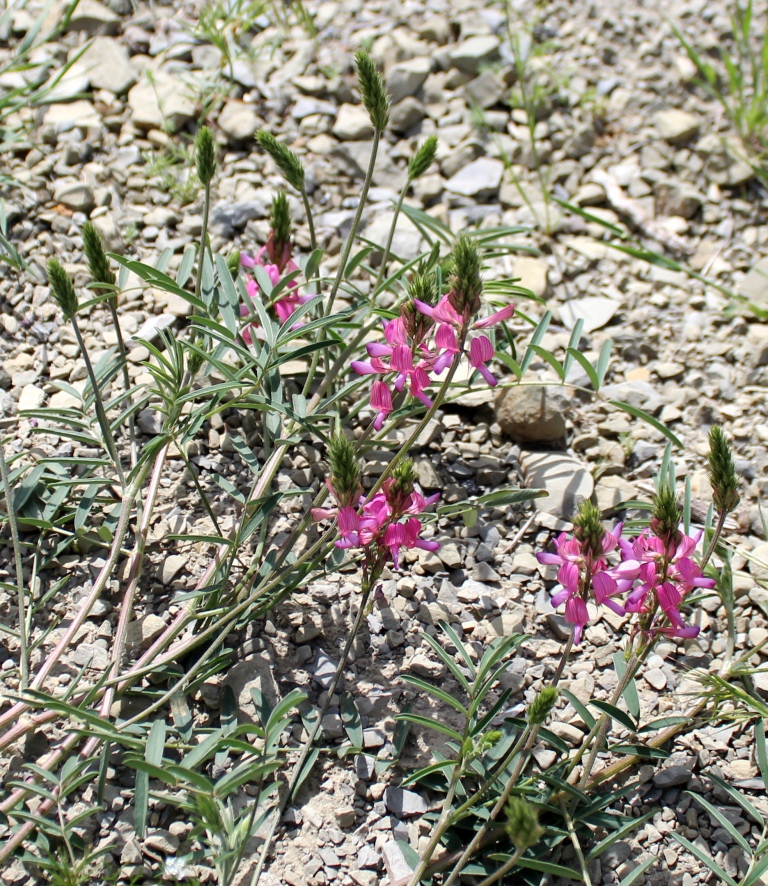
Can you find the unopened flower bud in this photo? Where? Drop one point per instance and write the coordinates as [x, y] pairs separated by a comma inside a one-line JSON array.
[[466, 282], [722, 472], [371, 84], [205, 155], [541, 707], [287, 162], [665, 521], [345, 471], [422, 286], [233, 261], [62, 289], [279, 242], [403, 478], [98, 264], [588, 528], [523, 823], [423, 158]]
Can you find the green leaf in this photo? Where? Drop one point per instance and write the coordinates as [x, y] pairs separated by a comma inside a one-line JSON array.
[[417, 776], [536, 338], [428, 723], [434, 691], [738, 797], [716, 815], [550, 358], [619, 834], [581, 709], [629, 695], [663, 723], [615, 714], [536, 864], [704, 858], [153, 756], [586, 366], [648, 419], [639, 750], [460, 648], [760, 751], [449, 662], [350, 717]]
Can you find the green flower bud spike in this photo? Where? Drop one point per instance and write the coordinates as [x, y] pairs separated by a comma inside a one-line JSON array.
[[62, 289], [345, 471], [280, 221], [466, 282], [205, 155], [588, 528], [423, 158], [666, 516], [287, 162], [422, 286], [541, 707], [722, 472], [372, 91], [523, 824], [98, 264], [233, 262]]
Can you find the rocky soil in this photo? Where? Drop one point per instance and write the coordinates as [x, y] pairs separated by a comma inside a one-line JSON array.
[[620, 125]]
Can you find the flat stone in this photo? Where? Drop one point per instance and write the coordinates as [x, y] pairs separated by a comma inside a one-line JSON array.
[[166, 103], [677, 198], [672, 776], [239, 121], [345, 816], [108, 65], [676, 126], [639, 394], [404, 804], [31, 397], [89, 655], [406, 115], [93, 18], [145, 630], [406, 243], [531, 413], [76, 196], [566, 481], [475, 53], [352, 123], [595, 310], [479, 179], [656, 678], [254, 672], [509, 622], [407, 78], [172, 567], [754, 286], [486, 90], [533, 274], [162, 841], [424, 666], [567, 732], [396, 866]]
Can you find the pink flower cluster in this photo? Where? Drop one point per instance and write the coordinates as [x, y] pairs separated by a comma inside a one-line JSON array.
[[655, 577], [275, 265], [407, 358], [386, 523]]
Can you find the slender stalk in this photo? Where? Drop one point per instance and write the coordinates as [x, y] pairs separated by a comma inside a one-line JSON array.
[[505, 869], [203, 240], [101, 413], [391, 235], [21, 593], [306, 749], [112, 305], [721, 518], [310, 220], [355, 223], [525, 742], [575, 842]]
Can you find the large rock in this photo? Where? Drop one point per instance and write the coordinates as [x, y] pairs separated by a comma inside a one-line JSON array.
[[93, 18], [407, 241], [676, 126], [677, 198], [407, 78], [109, 66], [253, 673], [480, 179], [566, 481], [165, 103], [406, 115], [475, 53], [352, 123], [77, 196], [533, 274], [63, 117], [532, 414], [239, 121]]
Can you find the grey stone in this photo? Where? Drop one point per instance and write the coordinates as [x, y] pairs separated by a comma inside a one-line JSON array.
[[93, 18], [254, 672], [480, 179], [352, 123], [394, 862], [76, 196], [675, 125], [531, 413], [324, 669], [239, 121], [150, 422], [595, 310], [672, 776], [145, 630], [165, 103], [406, 115], [229, 218], [368, 858], [486, 90], [616, 854], [172, 567], [353, 156], [639, 394], [87, 654], [566, 481], [677, 198], [407, 78], [407, 240], [108, 65], [162, 841], [754, 286], [423, 666], [476, 52], [31, 397], [404, 804]]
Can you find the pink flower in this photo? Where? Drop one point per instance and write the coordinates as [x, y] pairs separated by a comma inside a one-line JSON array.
[[480, 353], [406, 535], [381, 401]]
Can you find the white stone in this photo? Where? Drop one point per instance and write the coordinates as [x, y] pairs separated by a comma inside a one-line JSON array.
[[166, 103], [108, 65], [31, 397], [407, 78], [239, 120], [480, 178], [352, 123], [566, 481]]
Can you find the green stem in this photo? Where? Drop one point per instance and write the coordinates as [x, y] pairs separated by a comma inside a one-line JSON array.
[[307, 748], [721, 517], [524, 743], [355, 224], [203, 241], [505, 869], [112, 304], [310, 220], [101, 413], [22, 597], [391, 235]]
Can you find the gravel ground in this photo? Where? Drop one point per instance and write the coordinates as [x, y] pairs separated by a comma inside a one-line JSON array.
[[623, 133]]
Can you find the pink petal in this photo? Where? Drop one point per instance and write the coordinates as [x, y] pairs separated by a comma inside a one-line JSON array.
[[503, 314]]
